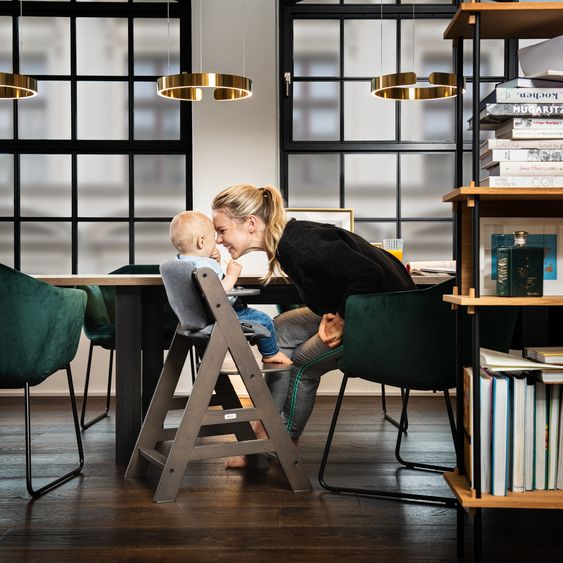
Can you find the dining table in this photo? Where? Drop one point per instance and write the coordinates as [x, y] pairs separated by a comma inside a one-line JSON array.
[[138, 341]]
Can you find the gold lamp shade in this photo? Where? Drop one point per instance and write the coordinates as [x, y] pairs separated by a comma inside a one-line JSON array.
[[17, 86], [190, 85], [402, 86]]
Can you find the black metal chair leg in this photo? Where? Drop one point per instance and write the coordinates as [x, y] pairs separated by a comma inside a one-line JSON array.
[[388, 417], [67, 476], [431, 499], [85, 425], [410, 464]]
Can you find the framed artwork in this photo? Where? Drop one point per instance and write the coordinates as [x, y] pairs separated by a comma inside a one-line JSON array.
[[340, 217], [544, 232]]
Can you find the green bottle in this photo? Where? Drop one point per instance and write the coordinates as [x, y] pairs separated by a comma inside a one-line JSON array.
[[520, 269]]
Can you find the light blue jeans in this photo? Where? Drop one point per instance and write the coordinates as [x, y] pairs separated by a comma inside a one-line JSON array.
[[268, 346], [294, 391]]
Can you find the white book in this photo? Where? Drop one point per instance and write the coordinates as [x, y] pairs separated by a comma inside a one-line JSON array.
[[544, 144], [529, 417], [499, 440], [540, 428], [527, 95], [520, 155], [486, 394], [499, 361], [529, 133], [522, 182], [553, 435], [559, 482], [526, 169], [517, 425], [531, 123]]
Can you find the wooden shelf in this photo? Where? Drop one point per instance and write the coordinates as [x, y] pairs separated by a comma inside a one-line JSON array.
[[523, 20], [493, 300], [505, 194], [530, 499]]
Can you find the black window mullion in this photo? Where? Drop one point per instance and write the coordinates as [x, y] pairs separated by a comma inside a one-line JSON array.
[[73, 138], [131, 131]]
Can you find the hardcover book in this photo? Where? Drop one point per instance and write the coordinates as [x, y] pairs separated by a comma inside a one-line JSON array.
[[511, 133], [497, 113], [520, 155], [546, 354], [525, 90], [522, 182], [524, 144], [526, 169]]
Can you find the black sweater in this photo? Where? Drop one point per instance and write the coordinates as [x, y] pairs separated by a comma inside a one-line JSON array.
[[327, 264]]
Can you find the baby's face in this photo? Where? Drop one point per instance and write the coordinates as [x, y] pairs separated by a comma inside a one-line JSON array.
[[209, 240]]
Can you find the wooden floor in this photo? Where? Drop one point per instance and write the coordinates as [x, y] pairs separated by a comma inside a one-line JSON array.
[[226, 515]]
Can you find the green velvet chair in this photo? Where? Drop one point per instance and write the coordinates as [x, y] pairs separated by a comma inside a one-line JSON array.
[[408, 340], [99, 328], [40, 328]]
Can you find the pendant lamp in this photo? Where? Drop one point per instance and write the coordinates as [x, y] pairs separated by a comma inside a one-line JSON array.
[[404, 86], [189, 86], [17, 86]]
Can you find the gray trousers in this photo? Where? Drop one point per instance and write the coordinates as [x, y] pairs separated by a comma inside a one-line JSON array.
[[294, 392]]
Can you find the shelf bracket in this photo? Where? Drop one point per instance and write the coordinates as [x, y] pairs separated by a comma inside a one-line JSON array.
[[471, 20], [470, 201]]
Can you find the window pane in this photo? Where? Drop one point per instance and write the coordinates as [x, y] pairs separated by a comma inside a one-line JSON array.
[[428, 121], [102, 247], [150, 38], [431, 53], [45, 45], [371, 184], [375, 232], [362, 47], [46, 248], [102, 46], [102, 110], [366, 117], [45, 185], [152, 243], [492, 57], [46, 116], [103, 185], [160, 185], [316, 111], [155, 118], [6, 43], [425, 178], [7, 244], [316, 47], [6, 185], [427, 241], [313, 180], [6, 120]]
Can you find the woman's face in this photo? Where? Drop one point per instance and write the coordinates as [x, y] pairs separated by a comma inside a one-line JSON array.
[[233, 234]]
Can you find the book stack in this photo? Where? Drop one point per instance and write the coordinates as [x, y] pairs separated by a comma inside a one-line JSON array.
[[520, 418], [527, 151]]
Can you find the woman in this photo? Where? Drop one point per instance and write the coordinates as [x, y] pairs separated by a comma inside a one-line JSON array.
[[326, 264]]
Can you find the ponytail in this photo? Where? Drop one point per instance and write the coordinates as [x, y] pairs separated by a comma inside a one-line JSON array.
[[267, 203]]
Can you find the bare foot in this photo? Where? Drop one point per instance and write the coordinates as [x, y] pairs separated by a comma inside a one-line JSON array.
[[279, 358], [240, 462]]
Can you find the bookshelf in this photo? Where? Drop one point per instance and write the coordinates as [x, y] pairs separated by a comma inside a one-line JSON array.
[[477, 21]]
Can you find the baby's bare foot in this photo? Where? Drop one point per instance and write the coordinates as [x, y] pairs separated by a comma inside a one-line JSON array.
[[240, 462], [279, 358]]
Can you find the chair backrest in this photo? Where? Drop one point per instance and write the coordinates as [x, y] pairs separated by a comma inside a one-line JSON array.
[[40, 328], [183, 296], [98, 312], [408, 339]]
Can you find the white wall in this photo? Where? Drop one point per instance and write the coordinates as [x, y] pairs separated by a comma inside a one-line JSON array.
[[233, 142]]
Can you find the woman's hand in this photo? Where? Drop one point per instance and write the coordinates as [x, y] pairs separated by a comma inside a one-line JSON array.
[[331, 330], [216, 255]]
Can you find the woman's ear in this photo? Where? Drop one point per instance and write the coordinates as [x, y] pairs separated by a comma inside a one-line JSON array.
[[252, 222]]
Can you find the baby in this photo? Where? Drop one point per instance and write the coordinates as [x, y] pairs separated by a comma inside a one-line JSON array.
[[192, 234]]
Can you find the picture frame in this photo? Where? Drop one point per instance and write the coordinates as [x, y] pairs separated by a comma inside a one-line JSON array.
[[546, 232], [339, 217]]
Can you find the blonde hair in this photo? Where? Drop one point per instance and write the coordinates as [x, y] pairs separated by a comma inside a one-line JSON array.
[[186, 228], [243, 200]]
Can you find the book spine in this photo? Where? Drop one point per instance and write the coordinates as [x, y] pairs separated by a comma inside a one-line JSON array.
[[526, 95], [527, 169], [523, 109], [523, 182], [544, 144], [531, 133], [522, 155]]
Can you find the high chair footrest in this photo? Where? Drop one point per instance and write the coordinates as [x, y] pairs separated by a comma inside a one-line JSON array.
[[247, 447]]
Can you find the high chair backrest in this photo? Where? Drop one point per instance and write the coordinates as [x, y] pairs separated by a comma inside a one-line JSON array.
[[183, 295]]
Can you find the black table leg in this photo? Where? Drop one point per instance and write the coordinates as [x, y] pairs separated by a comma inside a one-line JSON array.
[[128, 403]]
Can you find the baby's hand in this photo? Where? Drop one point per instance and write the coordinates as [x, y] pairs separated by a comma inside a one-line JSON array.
[[234, 268], [216, 255]]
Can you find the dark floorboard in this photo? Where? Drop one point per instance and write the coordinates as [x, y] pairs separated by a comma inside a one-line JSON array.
[[226, 515]]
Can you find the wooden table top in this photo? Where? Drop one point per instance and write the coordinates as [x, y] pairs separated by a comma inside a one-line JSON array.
[[155, 279]]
